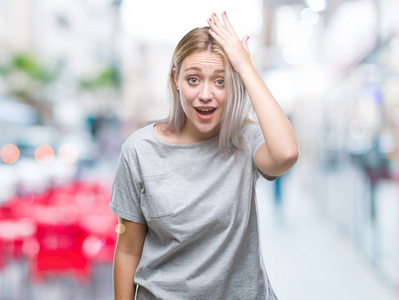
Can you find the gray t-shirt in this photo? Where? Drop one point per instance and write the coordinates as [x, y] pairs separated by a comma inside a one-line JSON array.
[[200, 209]]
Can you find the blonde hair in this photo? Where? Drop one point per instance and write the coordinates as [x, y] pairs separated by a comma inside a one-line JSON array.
[[235, 114]]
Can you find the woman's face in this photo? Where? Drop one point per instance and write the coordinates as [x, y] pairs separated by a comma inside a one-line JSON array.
[[203, 93]]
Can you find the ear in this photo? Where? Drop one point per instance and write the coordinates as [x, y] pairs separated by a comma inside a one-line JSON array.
[[175, 75]]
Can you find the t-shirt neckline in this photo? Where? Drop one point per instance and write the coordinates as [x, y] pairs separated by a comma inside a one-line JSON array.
[[183, 146]]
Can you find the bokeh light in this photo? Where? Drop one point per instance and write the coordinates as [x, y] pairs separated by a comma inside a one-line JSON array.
[[9, 153], [68, 153], [92, 245], [44, 154], [120, 228]]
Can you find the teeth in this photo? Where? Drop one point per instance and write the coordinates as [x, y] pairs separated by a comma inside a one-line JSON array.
[[205, 109]]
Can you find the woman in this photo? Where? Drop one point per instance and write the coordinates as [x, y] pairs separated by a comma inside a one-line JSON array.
[[184, 188]]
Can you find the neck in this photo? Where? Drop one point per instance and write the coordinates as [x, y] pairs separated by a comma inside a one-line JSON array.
[[189, 134]]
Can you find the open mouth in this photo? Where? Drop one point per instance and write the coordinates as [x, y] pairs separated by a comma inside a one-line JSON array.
[[205, 114], [205, 111]]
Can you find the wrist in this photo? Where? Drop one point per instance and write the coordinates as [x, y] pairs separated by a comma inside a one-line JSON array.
[[246, 68]]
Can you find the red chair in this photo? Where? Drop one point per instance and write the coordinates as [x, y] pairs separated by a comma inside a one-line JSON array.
[[60, 252]]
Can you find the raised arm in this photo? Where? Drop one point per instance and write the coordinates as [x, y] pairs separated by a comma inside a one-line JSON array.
[[280, 150], [129, 247]]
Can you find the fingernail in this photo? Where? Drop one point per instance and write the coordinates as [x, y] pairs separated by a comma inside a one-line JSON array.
[[210, 20], [214, 14], [224, 13]]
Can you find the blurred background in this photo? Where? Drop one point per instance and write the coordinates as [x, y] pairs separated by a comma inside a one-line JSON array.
[[77, 77]]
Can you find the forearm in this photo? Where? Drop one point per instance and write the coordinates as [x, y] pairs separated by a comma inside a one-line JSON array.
[[125, 266], [279, 135]]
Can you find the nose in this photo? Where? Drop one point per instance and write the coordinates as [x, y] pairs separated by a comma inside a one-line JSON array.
[[205, 93]]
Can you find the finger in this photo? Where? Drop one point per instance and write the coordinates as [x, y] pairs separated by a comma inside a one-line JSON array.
[[213, 26], [216, 37], [220, 30], [217, 21], [227, 23], [245, 43]]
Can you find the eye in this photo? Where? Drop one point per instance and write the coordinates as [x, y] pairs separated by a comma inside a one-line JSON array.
[[192, 80], [220, 82]]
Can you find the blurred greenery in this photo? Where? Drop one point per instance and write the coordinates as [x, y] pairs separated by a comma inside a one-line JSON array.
[[33, 68], [27, 78], [108, 77], [29, 65]]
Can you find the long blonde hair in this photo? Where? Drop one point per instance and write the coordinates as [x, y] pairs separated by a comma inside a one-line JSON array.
[[235, 114]]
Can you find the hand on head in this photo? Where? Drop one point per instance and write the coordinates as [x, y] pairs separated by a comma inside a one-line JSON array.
[[236, 49]]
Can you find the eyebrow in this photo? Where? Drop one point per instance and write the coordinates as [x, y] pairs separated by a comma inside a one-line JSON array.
[[199, 70]]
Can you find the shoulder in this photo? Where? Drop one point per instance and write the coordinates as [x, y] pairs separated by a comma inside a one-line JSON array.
[[137, 138], [250, 129]]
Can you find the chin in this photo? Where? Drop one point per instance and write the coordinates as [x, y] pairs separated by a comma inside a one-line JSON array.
[[208, 128]]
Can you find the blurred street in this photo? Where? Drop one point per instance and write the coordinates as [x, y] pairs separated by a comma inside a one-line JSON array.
[[309, 256]]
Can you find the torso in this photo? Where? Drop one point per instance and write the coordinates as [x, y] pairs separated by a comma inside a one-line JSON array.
[[199, 206]]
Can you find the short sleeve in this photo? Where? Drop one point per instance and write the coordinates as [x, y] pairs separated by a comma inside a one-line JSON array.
[[255, 135], [126, 191]]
